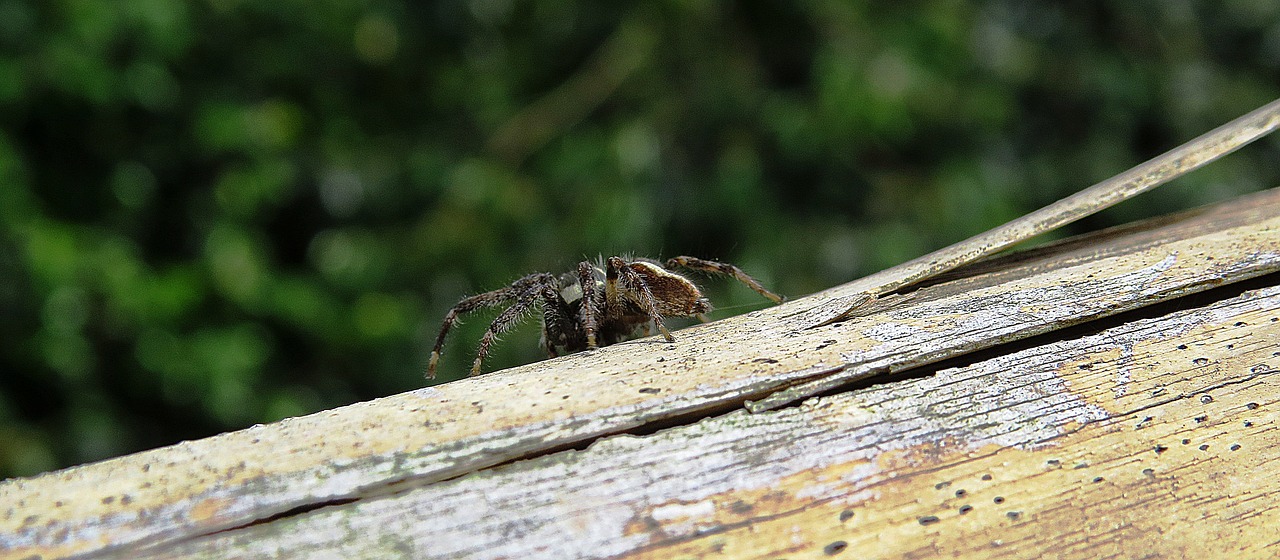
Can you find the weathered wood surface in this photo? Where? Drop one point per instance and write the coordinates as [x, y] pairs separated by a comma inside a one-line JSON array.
[[377, 453], [1157, 437]]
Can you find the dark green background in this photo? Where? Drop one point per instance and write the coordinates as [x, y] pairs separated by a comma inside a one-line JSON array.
[[219, 212]]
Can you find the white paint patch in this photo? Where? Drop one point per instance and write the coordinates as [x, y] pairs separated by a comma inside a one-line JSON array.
[[886, 332], [683, 512], [426, 392], [1124, 371]]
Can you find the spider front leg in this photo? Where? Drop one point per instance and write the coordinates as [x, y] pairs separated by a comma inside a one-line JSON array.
[[587, 279], [481, 301], [557, 326], [487, 299], [507, 319], [725, 269]]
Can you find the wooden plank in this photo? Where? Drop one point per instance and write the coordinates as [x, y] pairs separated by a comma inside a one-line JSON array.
[[1156, 437], [416, 438]]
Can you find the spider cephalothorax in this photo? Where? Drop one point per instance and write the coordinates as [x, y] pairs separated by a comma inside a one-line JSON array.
[[597, 305]]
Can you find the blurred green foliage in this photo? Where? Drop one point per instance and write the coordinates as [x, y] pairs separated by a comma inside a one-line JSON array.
[[216, 212]]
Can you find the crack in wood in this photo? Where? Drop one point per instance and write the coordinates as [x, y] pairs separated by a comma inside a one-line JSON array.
[[872, 378], [862, 375]]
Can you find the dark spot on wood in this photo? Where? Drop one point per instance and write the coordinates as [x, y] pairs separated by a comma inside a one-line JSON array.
[[999, 499], [650, 390], [1204, 447], [765, 361], [1235, 447], [740, 507], [30, 519], [662, 358], [1251, 406], [125, 499], [1085, 366], [961, 493], [1240, 324], [57, 503], [928, 520], [1248, 424], [1260, 368], [1200, 361], [1098, 479], [941, 485], [835, 548], [1054, 462], [564, 398], [986, 477], [1206, 399], [109, 499], [1151, 473], [1182, 347], [965, 509], [846, 515], [147, 467], [774, 496], [1160, 449], [651, 523], [1201, 419], [1081, 465], [1013, 514], [825, 344], [1185, 441]]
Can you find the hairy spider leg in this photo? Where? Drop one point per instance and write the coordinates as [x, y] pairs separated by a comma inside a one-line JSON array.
[[587, 279], [503, 323], [557, 325], [550, 320], [618, 272], [726, 269], [494, 298]]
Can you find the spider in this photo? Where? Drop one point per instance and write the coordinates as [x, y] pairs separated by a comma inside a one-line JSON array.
[[598, 305]]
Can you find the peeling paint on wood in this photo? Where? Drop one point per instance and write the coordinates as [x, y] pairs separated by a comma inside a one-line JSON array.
[[1027, 454]]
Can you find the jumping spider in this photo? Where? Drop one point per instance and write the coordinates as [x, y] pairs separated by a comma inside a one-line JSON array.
[[600, 304]]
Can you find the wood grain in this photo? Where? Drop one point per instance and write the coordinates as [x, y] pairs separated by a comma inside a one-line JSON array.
[[1155, 437]]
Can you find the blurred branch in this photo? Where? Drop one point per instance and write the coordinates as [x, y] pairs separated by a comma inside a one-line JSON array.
[[621, 55]]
